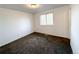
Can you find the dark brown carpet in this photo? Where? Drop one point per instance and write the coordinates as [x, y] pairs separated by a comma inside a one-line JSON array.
[[37, 43]]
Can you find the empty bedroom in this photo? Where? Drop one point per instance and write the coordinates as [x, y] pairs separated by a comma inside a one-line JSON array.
[[38, 29]]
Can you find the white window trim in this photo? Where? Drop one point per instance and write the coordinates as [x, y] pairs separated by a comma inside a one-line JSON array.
[[46, 18]]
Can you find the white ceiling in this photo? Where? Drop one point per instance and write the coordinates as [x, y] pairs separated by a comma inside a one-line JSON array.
[[24, 8]]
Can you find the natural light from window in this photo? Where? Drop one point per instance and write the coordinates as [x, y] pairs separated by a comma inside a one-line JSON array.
[[46, 19]]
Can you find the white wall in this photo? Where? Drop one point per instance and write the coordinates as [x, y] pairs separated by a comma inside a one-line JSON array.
[[14, 25], [75, 28], [61, 22]]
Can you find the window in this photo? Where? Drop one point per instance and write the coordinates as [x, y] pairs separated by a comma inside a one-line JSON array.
[[46, 19]]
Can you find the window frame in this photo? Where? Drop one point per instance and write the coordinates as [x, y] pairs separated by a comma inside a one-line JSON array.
[[46, 19]]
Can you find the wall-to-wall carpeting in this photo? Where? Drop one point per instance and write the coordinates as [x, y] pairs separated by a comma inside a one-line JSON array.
[[37, 43]]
